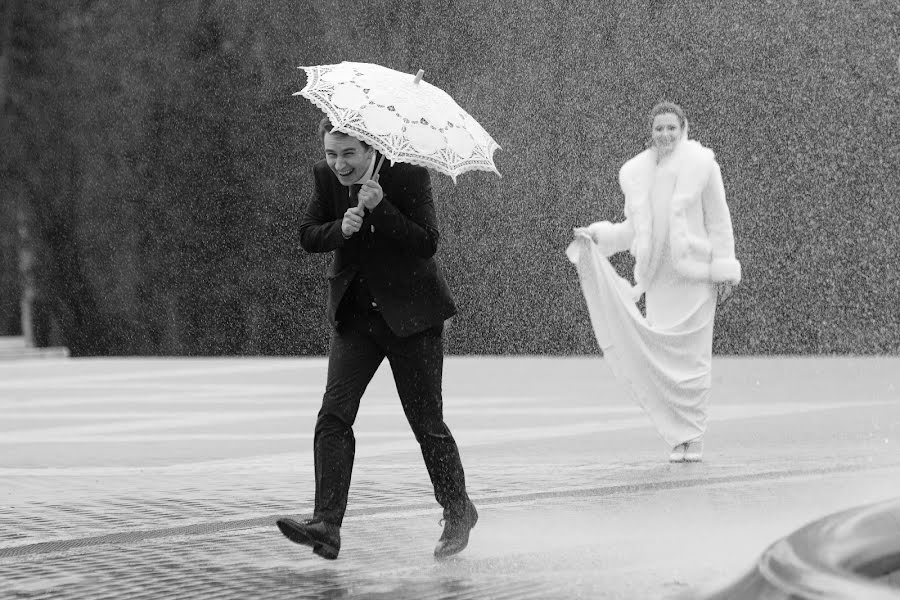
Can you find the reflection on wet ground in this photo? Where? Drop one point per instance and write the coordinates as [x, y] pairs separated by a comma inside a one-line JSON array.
[[162, 479]]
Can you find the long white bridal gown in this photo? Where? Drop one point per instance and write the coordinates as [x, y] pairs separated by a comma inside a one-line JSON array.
[[664, 359]]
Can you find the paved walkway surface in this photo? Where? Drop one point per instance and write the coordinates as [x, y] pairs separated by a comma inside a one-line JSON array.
[[162, 478]]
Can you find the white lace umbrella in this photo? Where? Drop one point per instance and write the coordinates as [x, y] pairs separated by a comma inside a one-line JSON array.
[[401, 116]]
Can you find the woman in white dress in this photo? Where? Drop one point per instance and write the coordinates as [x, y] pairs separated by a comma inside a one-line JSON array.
[[678, 228]]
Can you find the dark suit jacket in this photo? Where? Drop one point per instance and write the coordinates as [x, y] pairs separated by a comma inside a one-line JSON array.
[[394, 250]]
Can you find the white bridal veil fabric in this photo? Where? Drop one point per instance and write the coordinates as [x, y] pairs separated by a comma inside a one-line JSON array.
[[666, 369]]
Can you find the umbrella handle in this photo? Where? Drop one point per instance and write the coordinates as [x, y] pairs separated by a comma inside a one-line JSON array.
[[376, 173], [375, 176]]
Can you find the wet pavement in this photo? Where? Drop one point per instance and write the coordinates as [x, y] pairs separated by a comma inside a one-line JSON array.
[[162, 478]]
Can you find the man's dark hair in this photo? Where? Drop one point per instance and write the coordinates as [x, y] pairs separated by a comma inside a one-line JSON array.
[[325, 126]]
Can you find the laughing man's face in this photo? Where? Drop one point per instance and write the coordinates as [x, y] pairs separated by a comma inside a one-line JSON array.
[[348, 158]]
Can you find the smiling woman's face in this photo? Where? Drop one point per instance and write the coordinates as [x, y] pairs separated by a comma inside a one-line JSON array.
[[347, 157], [666, 132]]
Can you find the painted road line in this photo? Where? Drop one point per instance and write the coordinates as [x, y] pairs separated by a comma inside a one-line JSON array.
[[42, 381], [300, 395], [183, 386], [262, 410], [74, 433], [112, 432]]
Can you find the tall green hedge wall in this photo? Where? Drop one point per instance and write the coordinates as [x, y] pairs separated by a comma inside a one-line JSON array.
[[156, 163]]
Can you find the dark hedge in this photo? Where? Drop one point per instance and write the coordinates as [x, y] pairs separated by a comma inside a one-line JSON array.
[[160, 164]]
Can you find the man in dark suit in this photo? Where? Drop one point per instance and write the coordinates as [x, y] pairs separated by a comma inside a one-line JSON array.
[[386, 298]]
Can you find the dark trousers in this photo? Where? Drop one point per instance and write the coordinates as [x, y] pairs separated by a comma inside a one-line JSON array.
[[357, 349]]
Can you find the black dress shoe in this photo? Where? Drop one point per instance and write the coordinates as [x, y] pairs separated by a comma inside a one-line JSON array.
[[455, 537], [324, 538]]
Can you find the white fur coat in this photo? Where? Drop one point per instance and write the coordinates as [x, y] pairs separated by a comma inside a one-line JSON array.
[[700, 232]]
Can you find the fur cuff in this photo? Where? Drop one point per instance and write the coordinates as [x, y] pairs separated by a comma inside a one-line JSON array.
[[725, 269], [609, 237]]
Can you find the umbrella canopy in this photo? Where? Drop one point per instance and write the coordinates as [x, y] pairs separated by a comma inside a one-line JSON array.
[[400, 115]]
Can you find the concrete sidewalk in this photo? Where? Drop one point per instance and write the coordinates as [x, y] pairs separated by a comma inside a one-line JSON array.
[[162, 478]]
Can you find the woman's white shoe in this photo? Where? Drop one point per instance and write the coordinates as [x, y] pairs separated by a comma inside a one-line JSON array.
[[694, 450], [677, 454]]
